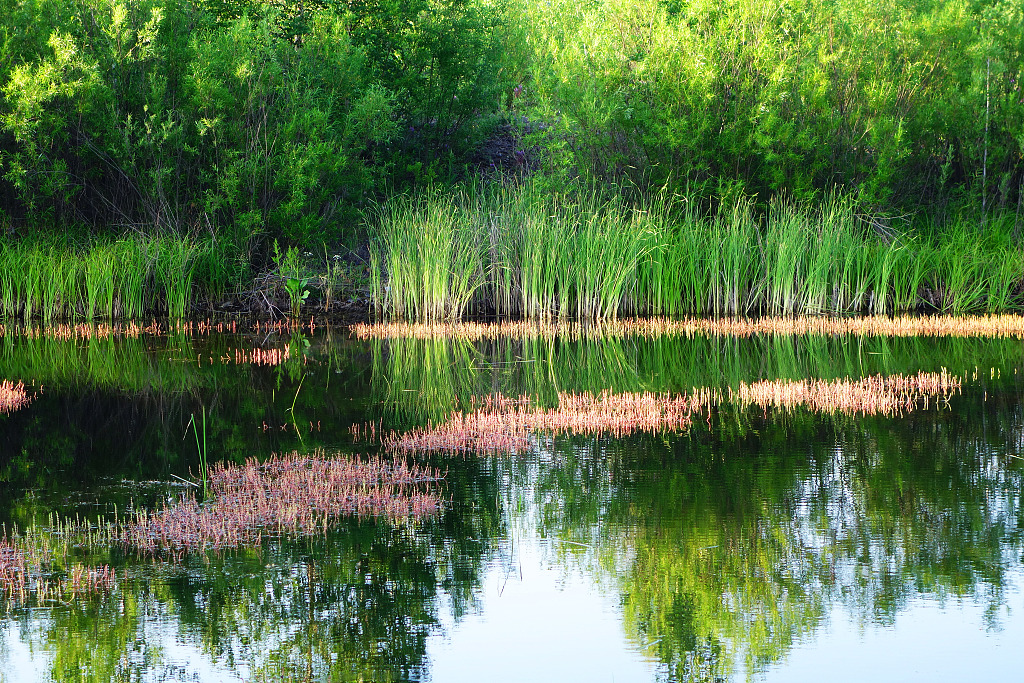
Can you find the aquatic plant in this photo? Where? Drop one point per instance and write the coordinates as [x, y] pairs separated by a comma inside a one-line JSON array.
[[258, 356], [297, 495], [877, 395], [13, 396], [873, 326], [502, 424], [42, 566], [526, 251], [505, 425]]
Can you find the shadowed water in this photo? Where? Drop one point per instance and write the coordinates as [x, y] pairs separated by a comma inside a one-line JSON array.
[[755, 545]]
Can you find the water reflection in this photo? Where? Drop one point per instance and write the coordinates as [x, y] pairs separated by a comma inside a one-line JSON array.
[[721, 550], [741, 545]]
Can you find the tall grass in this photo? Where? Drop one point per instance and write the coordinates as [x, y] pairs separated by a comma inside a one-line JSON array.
[[430, 254], [53, 280], [972, 269], [523, 251]]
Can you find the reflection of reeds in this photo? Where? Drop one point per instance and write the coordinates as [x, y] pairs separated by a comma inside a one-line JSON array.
[[13, 396], [503, 425], [873, 326], [301, 495], [23, 575]]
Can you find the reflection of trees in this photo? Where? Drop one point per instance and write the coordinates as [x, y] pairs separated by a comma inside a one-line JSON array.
[[732, 544], [358, 607]]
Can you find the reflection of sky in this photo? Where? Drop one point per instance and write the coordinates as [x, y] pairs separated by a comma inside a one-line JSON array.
[[537, 621], [28, 662], [929, 642]]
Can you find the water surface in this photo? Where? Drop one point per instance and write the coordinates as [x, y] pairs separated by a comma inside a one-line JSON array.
[[757, 545]]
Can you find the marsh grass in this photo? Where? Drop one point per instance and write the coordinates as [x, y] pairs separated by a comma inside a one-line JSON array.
[[520, 250], [294, 495], [53, 280], [13, 396], [970, 269], [500, 424]]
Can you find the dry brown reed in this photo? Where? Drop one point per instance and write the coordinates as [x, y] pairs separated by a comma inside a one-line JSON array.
[[23, 577], [257, 356], [190, 328], [282, 327], [297, 495], [878, 326], [203, 327], [876, 395], [89, 331], [13, 396], [503, 425]]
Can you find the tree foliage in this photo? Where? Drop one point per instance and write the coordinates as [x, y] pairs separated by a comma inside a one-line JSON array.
[[247, 119]]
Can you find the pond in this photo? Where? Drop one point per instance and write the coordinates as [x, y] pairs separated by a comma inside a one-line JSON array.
[[742, 537]]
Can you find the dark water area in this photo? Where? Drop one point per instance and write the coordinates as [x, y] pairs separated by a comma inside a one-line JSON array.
[[755, 545]]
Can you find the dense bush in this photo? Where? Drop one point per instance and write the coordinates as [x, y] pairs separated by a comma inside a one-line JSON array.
[[908, 101], [244, 119]]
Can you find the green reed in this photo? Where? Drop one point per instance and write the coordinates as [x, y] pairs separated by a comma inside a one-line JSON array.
[[428, 249], [53, 280], [526, 251], [972, 268]]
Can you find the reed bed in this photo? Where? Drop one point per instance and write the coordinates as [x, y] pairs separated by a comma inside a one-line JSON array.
[[980, 326], [13, 396], [524, 251], [53, 280], [154, 328], [86, 331], [298, 495], [504, 425]]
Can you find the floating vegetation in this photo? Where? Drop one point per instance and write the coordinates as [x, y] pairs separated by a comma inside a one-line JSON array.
[[504, 425], [37, 566], [257, 356], [871, 326], [877, 395], [300, 495], [13, 396]]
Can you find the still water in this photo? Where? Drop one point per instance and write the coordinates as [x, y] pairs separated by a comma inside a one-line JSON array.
[[756, 545]]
